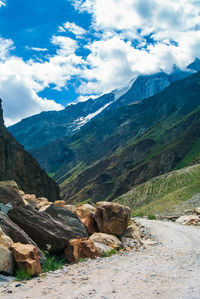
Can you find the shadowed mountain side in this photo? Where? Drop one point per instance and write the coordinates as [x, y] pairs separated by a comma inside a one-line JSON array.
[[18, 165]]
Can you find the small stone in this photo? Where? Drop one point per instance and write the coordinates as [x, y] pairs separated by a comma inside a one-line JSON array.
[[18, 285]]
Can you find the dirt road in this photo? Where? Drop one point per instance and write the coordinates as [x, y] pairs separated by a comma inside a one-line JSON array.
[[169, 270]]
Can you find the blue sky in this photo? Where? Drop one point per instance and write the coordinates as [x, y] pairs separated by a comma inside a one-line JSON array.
[[56, 52]]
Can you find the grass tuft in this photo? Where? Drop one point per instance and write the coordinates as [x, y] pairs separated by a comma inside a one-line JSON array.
[[109, 252], [22, 274]]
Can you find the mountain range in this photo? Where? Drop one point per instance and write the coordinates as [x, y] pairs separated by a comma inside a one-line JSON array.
[[38, 130], [120, 140]]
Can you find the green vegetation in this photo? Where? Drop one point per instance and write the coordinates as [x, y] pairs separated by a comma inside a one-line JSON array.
[[162, 194], [51, 174], [72, 175], [22, 274], [52, 263], [109, 253], [82, 259]]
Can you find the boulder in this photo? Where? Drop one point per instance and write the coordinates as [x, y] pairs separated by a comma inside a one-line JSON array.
[[86, 214], [112, 218], [30, 199], [197, 211], [60, 203], [106, 239], [69, 219], [26, 257], [6, 257], [41, 202], [132, 232], [188, 220], [81, 248], [42, 228], [16, 233], [9, 193], [102, 247], [71, 208]]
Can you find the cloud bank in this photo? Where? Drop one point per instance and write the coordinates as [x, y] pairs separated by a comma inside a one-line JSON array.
[[125, 38]]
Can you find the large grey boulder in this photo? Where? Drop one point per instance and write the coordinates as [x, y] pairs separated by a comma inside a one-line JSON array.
[[16, 233], [69, 219], [42, 228]]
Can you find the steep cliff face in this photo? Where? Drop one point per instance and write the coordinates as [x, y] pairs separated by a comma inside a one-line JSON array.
[[1, 114], [18, 165]]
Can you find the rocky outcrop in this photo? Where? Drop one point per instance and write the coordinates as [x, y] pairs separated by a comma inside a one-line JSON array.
[[18, 165], [79, 248], [42, 228], [112, 218], [69, 219], [188, 220], [16, 233], [86, 213], [9, 193], [6, 257], [106, 239], [26, 257]]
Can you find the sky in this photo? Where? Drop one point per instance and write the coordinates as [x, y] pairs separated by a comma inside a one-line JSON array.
[[56, 52]]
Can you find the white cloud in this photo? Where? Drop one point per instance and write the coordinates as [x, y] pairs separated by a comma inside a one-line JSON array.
[[2, 3], [21, 81], [135, 37], [6, 45], [37, 49], [72, 27], [67, 45]]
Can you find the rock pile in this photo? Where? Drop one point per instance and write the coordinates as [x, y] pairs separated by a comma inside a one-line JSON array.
[[31, 224]]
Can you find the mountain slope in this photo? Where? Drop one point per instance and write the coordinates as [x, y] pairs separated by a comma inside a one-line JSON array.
[[171, 122], [18, 165], [41, 129], [163, 194]]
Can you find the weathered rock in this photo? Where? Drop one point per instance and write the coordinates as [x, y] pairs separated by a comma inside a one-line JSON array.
[[106, 239], [26, 257], [31, 199], [6, 257], [71, 208], [9, 193], [60, 203], [132, 232], [188, 219], [69, 219], [102, 247], [197, 211], [85, 213], [112, 218], [81, 248], [16, 233], [42, 228], [41, 202]]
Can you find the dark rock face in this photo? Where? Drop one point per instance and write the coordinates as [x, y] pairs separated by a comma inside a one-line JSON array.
[[16, 233], [1, 113], [68, 218], [18, 165], [42, 228]]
